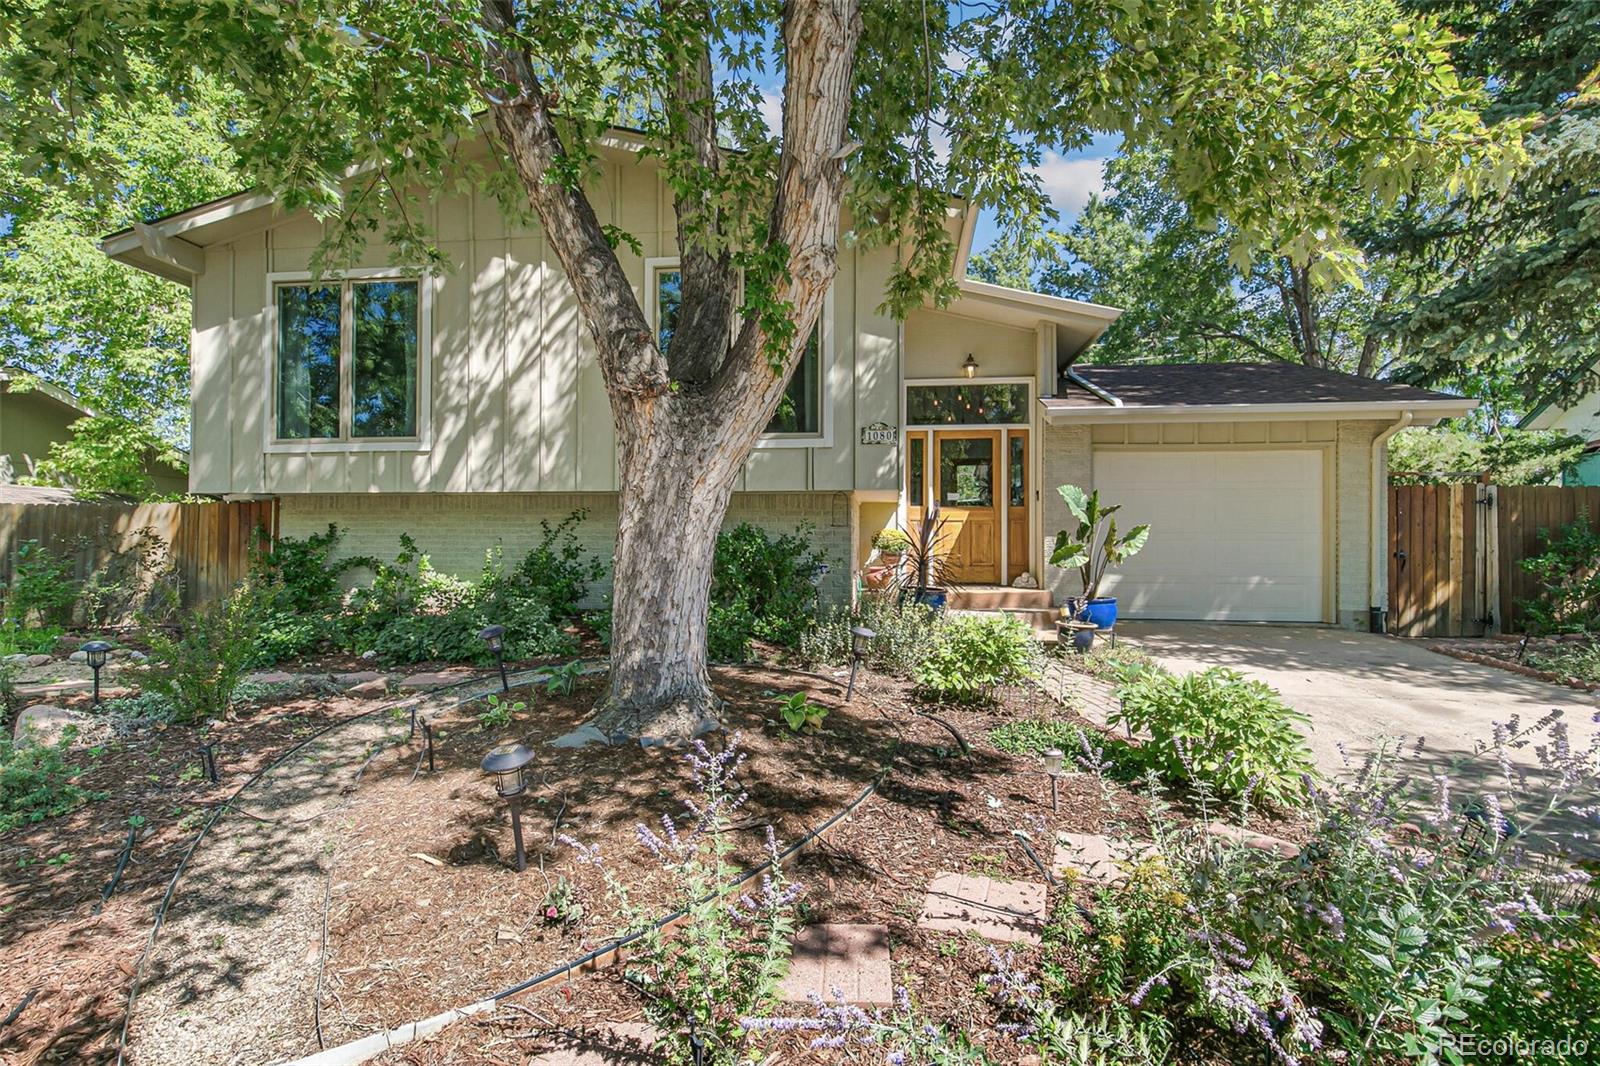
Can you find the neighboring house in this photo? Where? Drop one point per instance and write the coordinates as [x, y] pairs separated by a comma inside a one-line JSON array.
[[34, 418], [466, 407], [1580, 418]]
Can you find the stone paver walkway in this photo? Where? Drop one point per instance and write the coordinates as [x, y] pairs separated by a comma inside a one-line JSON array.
[[615, 1045], [1251, 839], [1095, 858], [851, 958], [1089, 696], [1007, 911]]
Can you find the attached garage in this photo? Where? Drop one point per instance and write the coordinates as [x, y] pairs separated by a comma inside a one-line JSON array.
[[1263, 485], [1240, 535]]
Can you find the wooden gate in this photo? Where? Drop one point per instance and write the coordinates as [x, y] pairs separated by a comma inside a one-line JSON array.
[[1438, 563]]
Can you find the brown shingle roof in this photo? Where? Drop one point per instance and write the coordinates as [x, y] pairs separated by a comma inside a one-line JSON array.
[[1219, 384]]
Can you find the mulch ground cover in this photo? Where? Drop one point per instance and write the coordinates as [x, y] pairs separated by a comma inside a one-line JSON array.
[[1535, 657], [63, 951]]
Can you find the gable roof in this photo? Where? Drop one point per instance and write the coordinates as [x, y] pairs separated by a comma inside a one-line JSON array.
[[1188, 390]]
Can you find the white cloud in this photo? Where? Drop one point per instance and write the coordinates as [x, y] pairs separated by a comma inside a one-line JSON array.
[[1070, 182], [771, 109]]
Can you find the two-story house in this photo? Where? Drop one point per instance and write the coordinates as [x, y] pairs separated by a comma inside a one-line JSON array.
[[465, 406]]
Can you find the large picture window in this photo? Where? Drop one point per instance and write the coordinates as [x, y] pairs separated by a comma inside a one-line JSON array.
[[347, 366], [975, 403], [799, 413]]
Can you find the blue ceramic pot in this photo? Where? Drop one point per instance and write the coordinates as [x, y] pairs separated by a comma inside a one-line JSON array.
[[1082, 640], [1100, 611], [934, 598]]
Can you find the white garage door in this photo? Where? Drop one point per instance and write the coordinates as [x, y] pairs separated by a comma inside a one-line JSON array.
[[1235, 536]]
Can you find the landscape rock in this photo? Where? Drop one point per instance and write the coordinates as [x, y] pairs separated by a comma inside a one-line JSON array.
[[19, 659], [375, 689], [357, 677], [435, 678], [370, 654], [78, 657], [45, 723], [584, 734], [271, 677], [39, 660], [1251, 839]]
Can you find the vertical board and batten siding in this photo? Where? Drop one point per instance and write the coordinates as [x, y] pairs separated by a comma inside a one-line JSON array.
[[209, 542], [517, 401]]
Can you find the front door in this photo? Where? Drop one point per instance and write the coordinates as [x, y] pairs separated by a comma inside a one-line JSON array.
[[966, 486]]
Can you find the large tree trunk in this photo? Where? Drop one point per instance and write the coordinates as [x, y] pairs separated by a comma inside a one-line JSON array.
[[686, 424]]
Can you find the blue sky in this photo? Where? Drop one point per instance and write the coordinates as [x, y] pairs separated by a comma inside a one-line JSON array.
[[1068, 177]]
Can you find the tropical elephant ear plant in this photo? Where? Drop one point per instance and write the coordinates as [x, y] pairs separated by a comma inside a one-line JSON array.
[[1094, 547]]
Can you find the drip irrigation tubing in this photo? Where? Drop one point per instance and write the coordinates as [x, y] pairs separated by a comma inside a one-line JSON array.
[[122, 865], [223, 808]]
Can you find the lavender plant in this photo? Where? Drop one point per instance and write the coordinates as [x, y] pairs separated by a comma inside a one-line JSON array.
[[724, 961], [901, 1036]]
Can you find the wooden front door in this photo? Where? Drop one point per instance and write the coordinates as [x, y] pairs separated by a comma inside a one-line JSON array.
[[967, 483]]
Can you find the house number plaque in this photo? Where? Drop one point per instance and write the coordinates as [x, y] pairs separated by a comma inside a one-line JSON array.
[[879, 433]]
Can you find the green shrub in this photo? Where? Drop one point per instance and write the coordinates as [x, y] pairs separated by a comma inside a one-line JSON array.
[[199, 670], [761, 589], [1547, 989], [1581, 661], [1116, 663], [1569, 577], [42, 588], [972, 655], [1220, 730], [35, 782], [302, 593], [904, 635], [1034, 736], [16, 639], [558, 569], [413, 613]]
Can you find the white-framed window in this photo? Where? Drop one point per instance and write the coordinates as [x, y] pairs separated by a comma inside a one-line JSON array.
[[803, 416], [349, 361]]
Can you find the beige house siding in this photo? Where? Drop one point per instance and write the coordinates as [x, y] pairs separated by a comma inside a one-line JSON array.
[[1069, 459], [515, 398], [456, 530], [938, 341]]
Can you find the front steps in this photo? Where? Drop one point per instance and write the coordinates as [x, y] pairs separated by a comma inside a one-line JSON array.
[[1033, 606]]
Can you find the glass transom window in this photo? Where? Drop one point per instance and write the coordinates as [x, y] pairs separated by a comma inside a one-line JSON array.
[[347, 364], [799, 413], [977, 403]]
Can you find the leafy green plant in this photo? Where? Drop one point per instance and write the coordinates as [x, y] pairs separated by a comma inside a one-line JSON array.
[[799, 712], [497, 713], [561, 905], [972, 655], [561, 680], [1094, 547], [1220, 730], [1034, 736], [36, 782], [1116, 663], [199, 669], [891, 540], [724, 963], [302, 592], [42, 588], [16, 639], [1581, 661], [1546, 993], [1568, 571], [903, 634], [761, 589], [558, 568], [147, 705]]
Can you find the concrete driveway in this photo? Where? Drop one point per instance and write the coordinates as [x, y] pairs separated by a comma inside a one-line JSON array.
[[1356, 686]]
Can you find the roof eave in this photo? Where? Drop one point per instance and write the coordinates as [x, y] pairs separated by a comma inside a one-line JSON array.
[[1426, 412]]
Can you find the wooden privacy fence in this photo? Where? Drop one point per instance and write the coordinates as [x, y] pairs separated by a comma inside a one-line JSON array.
[[1455, 553], [209, 543]]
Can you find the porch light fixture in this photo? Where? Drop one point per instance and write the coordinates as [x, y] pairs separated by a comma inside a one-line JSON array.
[[970, 367], [860, 643], [495, 637], [1054, 760], [95, 653], [509, 765]]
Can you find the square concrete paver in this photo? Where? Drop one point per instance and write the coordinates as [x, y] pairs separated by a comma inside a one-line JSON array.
[[852, 958], [1095, 858], [1251, 839], [614, 1045], [996, 910]]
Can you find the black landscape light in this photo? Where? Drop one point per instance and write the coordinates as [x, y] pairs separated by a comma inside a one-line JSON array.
[[509, 765], [427, 739], [495, 637], [208, 760], [860, 643], [95, 653], [1054, 760]]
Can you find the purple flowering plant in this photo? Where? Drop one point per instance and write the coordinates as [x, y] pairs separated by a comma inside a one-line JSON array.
[[724, 960]]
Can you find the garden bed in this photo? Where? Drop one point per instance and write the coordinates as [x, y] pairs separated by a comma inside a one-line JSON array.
[[1570, 659]]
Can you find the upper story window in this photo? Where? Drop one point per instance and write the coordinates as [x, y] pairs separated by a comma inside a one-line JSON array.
[[799, 414], [347, 366], [975, 403]]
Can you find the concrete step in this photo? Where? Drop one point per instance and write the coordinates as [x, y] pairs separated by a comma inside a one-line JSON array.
[[999, 598]]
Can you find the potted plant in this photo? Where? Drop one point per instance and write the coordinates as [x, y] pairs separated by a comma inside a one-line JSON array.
[[889, 545], [927, 560], [1094, 547]]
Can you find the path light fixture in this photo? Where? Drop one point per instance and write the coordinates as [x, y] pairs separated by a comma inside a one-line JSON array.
[[860, 643], [1054, 760], [495, 637], [95, 653], [427, 739], [208, 760], [509, 765], [970, 367]]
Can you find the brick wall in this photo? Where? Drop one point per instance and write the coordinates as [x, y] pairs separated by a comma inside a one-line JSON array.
[[457, 529]]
